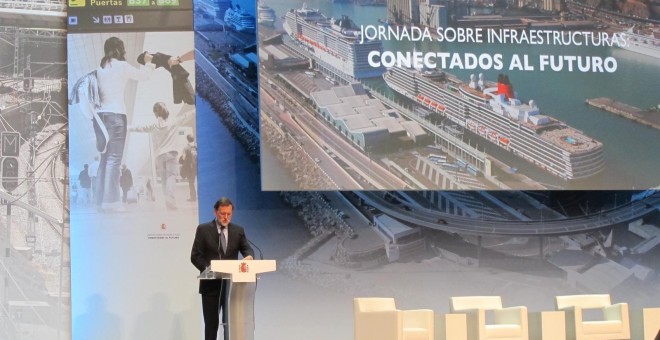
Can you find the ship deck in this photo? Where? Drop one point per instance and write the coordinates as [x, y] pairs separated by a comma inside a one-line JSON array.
[[571, 140], [474, 92]]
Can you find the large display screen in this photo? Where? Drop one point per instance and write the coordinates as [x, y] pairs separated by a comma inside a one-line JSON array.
[[133, 142], [383, 95]]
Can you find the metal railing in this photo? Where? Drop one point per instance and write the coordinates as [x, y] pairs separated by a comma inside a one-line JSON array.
[[37, 5]]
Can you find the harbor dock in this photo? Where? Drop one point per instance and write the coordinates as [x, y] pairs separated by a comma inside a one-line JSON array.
[[648, 117]]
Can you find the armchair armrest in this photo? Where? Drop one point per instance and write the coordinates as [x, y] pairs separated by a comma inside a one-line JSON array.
[[573, 313], [616, 312], [573, 319], [620, 312], [473, 314], [475, 319], [511, 315]]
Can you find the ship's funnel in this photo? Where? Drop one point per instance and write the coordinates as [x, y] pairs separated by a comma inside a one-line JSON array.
[[504, 86]]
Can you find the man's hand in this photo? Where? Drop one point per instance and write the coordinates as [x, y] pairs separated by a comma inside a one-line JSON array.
[[174, 61], [248, 258]]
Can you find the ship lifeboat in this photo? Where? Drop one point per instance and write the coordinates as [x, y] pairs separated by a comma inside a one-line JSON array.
[[482, 130], [493, 135], [427, 101], [420, 98], [472, 125], [504, 141]]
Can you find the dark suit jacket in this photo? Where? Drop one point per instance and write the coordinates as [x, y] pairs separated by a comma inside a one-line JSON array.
[[205, 248], [181, 87]]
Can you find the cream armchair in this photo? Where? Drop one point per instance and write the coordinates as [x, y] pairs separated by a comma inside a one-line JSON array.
[[508, 323], [378, 319], [615, 323]]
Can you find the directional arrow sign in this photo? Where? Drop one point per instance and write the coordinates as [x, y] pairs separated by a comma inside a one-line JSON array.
[[96, 20]]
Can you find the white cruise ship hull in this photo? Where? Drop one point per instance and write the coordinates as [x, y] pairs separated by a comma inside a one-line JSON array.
[[643, 44], [342, 56], [538, 147], [643, 49]]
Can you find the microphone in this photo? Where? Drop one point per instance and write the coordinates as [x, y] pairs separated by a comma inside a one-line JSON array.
[[261, 255]]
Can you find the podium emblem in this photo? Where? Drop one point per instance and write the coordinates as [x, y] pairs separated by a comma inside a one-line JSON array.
[[243, 267]]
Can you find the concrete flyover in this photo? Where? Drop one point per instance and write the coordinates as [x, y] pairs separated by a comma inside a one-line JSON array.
[[434, 219]]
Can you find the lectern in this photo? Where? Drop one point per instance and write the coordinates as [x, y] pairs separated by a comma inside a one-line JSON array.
[[240, 304]]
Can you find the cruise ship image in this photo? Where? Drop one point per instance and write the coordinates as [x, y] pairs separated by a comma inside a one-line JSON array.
[[239, 19], [332, 43], [492, 111], [647, 44], [265, 15]]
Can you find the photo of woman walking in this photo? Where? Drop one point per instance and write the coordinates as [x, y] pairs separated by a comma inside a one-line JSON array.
[[113, 75]]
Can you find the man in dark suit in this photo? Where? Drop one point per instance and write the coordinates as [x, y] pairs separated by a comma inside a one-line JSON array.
[[217, 240]]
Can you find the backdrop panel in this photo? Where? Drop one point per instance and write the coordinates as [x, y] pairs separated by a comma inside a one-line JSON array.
[[131, 270]]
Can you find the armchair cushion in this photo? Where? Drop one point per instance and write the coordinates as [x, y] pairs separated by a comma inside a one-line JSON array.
[[601, 327], [502, 331], [417, 334]]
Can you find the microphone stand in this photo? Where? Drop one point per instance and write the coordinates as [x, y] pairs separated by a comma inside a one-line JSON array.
[[261, 255]]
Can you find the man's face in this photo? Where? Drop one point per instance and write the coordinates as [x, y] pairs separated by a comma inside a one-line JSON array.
[[223, 214]]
